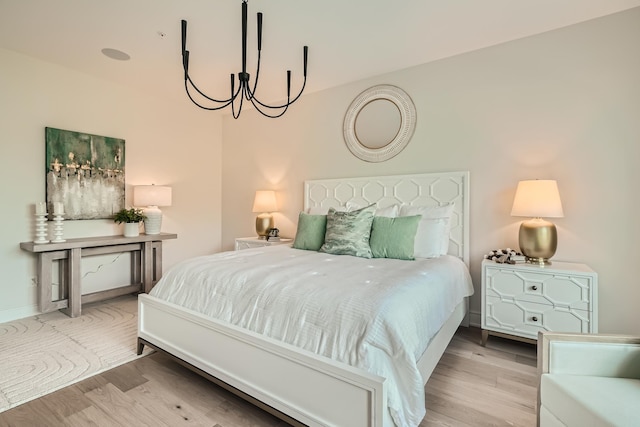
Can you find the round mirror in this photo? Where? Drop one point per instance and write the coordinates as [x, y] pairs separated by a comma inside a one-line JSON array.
[[373, 132], [379, 123]]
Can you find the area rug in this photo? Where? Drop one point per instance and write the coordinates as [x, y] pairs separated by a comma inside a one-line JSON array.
[[44, 353]]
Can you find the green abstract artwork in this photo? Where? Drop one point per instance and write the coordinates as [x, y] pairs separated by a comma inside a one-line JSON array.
[[85, 173]]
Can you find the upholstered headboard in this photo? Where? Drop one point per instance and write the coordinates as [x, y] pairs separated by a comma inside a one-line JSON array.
[[430, 189]]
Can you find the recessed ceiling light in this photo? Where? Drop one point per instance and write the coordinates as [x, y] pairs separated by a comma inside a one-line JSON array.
[[115, 54]]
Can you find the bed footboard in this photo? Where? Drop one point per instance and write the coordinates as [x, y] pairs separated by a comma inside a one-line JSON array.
[[314, 390]]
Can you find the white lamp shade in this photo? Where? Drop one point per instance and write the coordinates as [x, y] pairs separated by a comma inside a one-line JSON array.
[[537, 198], [265, 201], [151, 195]]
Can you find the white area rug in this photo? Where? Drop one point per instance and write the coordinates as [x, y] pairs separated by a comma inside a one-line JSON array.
[[41, 354]]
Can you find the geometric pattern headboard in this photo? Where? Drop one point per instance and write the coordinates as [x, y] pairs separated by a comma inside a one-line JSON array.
[[430, 189]]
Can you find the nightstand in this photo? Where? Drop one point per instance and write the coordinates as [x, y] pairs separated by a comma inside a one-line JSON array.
[[518, 300], [255, 242]]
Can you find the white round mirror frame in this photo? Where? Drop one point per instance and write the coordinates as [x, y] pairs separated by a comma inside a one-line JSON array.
[[407, 123]]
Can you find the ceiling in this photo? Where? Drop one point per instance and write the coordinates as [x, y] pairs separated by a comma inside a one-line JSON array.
[[348, 40]]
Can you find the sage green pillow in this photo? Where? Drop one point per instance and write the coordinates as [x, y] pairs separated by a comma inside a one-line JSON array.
[[348, 233], [310, 233], [394, 237]]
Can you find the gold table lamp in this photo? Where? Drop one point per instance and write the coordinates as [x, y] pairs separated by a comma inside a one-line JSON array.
[[264, 203], [538, 238]]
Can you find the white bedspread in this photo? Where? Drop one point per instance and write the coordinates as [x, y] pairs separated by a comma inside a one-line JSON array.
[[375, 314]]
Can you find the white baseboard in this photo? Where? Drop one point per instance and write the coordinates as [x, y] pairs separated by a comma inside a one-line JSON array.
[[18, 313], [475, 318]]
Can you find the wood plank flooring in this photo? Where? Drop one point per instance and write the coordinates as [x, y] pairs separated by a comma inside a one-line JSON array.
[[471, 386]]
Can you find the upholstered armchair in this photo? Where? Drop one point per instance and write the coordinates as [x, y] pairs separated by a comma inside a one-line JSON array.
[[588, 380]]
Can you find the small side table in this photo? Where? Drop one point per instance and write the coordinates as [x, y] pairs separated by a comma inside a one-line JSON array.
[[256, 242]]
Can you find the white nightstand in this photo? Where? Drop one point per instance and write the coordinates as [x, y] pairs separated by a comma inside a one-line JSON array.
[[518, 300], [255, 242]]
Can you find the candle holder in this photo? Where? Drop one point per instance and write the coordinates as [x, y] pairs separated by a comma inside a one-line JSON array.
[[57, 227], [41, 228]]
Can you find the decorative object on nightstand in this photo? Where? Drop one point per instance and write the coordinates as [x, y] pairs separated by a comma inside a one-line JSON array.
[[264, 204], [152, 196], [273, 235], [131, 218], [518, 300], [507, 255], [538, 238], [257, 242]]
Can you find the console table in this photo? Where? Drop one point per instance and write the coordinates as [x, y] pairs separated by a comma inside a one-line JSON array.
[[146, 267]]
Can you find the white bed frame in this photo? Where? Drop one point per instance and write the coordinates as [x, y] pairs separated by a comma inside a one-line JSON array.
[[301, 386]]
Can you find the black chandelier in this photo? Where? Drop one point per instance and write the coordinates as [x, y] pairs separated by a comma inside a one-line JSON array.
[[244, 91]]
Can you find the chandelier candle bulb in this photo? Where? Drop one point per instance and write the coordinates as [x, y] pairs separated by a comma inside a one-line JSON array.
[[259, 31]]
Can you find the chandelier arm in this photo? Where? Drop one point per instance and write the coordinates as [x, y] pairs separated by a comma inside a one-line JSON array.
[[255, 83], [233, 113], [271, 116], [289, 100], [208, 97], [204, 107]]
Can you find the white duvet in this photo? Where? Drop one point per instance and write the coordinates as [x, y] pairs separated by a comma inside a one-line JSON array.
[[375, 314]]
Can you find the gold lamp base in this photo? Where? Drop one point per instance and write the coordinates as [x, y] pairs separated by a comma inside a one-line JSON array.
[[538, 241], [264, 222]]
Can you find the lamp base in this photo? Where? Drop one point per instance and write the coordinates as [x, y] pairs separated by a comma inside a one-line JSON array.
[[538, 241], [538, 261], [153, 223], [264, 222]]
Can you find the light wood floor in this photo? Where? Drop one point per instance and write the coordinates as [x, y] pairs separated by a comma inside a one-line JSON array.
[[471, 386]]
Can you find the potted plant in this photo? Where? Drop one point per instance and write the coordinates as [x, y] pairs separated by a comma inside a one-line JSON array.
[[131, 218]]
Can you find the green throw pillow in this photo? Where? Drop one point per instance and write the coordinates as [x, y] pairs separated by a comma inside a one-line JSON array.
[[310, 234], [348, 232], [394, 237]]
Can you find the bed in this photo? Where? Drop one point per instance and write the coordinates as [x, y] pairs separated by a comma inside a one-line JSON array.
[[298, 384]]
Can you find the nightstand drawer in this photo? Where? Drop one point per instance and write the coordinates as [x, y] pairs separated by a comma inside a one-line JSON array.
[[525, 318], [560, 290]]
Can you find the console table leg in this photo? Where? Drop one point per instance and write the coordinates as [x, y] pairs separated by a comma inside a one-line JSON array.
[[147, 263], [44, 281], [73, 279]]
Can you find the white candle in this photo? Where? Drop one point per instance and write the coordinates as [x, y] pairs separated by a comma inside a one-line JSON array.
[[41, 208], [58, 208]]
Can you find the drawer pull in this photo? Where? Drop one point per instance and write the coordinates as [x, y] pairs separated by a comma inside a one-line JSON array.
[[534, 318], [535, 288]]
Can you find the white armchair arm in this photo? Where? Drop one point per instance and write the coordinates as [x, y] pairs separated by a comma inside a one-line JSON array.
[[589, 354], [593, 355]]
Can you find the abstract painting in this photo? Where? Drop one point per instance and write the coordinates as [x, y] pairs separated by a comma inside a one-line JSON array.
[[85, 173]]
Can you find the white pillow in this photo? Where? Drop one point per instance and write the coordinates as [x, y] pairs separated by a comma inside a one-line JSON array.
[[317, 210], [389, 211], [432, 237]]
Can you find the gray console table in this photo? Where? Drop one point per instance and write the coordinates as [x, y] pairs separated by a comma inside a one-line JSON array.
[[146, 267]]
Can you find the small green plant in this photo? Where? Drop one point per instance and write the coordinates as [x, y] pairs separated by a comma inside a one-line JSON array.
[[129, 215]]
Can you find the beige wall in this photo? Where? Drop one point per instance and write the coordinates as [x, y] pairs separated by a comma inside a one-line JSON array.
[[166, 143], [562, 105]]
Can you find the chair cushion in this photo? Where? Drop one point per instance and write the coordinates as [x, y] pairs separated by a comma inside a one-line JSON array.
[[593, 401]]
